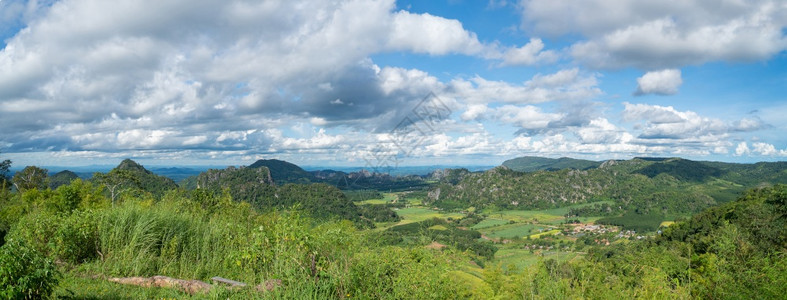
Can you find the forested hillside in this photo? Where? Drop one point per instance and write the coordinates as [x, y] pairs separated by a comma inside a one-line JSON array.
[[667, 186], [534, 163]]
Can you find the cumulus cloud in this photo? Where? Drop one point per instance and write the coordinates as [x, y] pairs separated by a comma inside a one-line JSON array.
[[174, 78], [666, 34], [530, 54], [188, 69], [664, 82], [665, 122], [563, 85], [760, 149]]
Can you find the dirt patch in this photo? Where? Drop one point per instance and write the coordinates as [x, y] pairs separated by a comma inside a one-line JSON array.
[[435, 245]]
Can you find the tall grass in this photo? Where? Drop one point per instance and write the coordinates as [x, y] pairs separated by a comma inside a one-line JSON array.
[[240, 244]]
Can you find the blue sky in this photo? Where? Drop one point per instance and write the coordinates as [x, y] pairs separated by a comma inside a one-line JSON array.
[[330, 83]]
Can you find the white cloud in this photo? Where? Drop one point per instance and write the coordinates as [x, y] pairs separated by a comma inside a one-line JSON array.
[[766, 149], [530, 54], [601, 131], [563, 85], [526, 117], [664, 82], [665, 34], [435, 35], [760, 149], [742, 149]]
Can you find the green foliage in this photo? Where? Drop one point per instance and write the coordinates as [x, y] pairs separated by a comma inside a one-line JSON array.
[[398, 273], [75, 239], [424, 231], [378, 213], [24, 272], [4, 178], [31, 177], [321, 200]]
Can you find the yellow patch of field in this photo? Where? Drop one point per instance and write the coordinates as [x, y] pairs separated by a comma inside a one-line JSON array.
[[417, 214], [537, 235], [371, 201], [667, 223], [438, 227]]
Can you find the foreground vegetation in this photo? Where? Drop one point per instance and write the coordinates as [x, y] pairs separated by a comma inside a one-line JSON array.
[[66, 242]]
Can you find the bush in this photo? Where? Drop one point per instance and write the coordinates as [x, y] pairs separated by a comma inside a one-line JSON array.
[[76, 237], [24, 272]]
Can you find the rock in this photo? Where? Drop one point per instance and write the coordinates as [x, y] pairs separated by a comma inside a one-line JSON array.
[[189, 286]]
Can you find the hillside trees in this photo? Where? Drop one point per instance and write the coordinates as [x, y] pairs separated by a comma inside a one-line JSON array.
[[4, 178], [31, 177], [117, 181]]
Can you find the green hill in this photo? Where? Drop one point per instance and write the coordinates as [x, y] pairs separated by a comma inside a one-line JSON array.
[[61, 178], [534, 163], [129, 170], [284, 172], [682, 169]]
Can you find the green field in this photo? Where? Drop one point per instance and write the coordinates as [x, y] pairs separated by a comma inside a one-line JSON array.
[[371, 201], [547, 216], [518, 259], [512, 230], [417, 214], [387, 198], [489, 222]]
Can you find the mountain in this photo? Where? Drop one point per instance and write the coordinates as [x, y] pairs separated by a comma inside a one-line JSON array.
[[284, 172], [61, 178], [147, 180], [534, 163], [645, 186]]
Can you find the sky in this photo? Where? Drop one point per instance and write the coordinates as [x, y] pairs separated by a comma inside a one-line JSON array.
[[390, 83]]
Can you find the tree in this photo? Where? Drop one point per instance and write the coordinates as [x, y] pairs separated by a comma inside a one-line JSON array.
[[4, 166], [117, 181], [31, 177]]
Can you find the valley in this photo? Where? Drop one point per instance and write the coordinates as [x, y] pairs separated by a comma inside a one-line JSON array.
[[451, 233]]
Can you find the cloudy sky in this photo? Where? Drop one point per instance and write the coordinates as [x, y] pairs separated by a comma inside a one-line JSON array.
[[332, 83]]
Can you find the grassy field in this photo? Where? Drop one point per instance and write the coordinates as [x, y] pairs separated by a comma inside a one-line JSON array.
[[371, 201], [387, 198], [417, 214], [546, 216], [489, 222], [512, 230], [518, 259]]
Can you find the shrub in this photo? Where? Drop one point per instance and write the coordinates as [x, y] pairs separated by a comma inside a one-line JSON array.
[[24, 272]]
